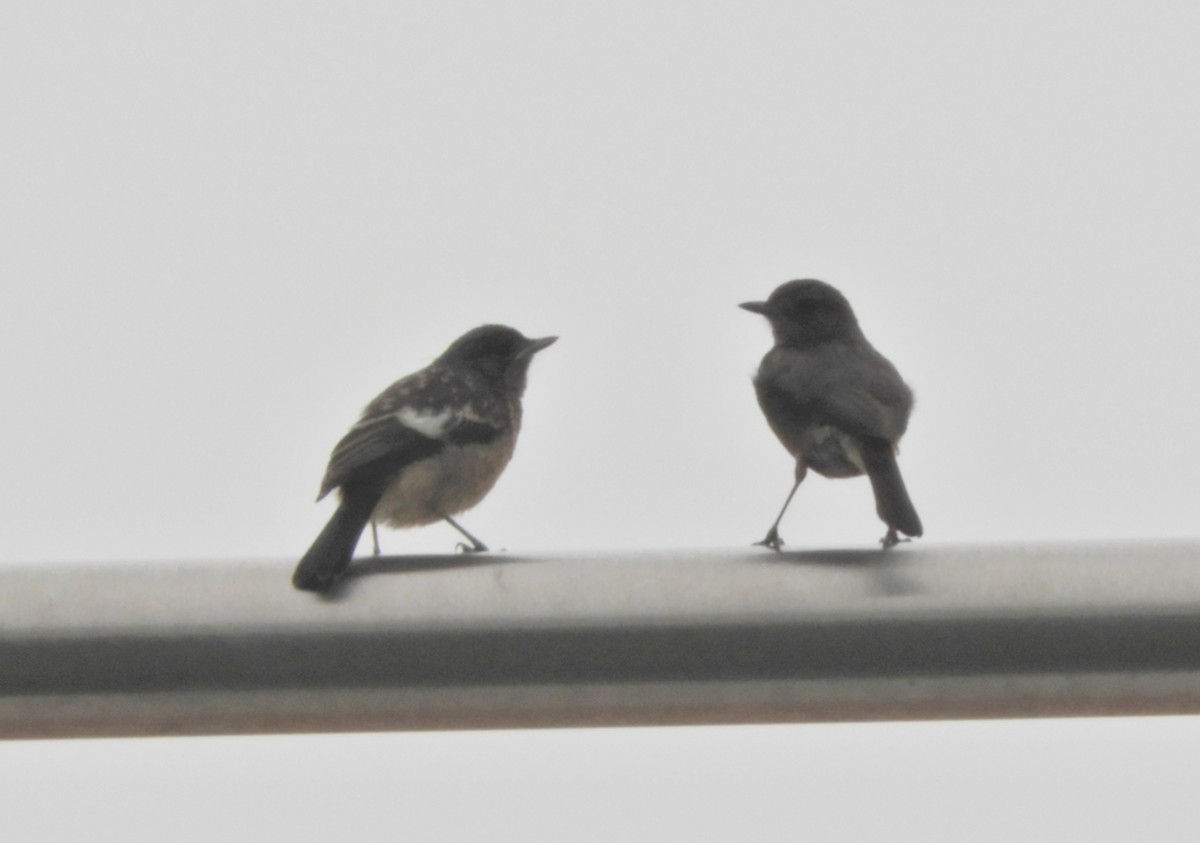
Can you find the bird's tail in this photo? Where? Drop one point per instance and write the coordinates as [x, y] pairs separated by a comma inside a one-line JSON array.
[[329, 557], [892, 503]]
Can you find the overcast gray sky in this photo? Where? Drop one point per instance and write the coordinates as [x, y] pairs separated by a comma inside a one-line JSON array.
[[224, 227]]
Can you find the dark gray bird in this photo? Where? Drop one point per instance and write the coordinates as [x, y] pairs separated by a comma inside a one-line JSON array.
[[429, 446], [837, 404]]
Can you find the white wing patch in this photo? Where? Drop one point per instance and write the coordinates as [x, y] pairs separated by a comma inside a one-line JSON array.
[[432, 425]]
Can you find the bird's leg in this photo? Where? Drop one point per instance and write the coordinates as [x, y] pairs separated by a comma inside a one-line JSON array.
[[476, 545], [375, 536], [892, 539], [772, 539]]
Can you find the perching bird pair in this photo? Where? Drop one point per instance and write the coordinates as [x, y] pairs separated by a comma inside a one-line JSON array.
[[434, 443]]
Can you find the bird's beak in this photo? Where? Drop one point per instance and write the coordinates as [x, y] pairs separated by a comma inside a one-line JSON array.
[[759, 307], [536, 345]]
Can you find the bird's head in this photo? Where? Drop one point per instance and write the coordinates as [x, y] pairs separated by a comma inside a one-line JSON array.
[[498, 351], [806, 313]]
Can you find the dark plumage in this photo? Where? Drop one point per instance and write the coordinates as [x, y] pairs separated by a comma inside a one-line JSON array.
[[837, 404], [429, 446]]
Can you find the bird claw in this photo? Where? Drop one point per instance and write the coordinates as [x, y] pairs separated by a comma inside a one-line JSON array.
[[772, 540], [892, 539], [463, 547]]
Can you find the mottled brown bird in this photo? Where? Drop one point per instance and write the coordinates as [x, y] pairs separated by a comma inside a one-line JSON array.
[[428, 447]]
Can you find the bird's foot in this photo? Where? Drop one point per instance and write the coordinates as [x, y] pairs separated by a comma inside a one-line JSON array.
[[772, 540], [478, 547], [892, 539]]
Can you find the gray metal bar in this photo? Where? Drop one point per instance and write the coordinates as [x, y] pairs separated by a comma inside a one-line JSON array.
[[498, 640]]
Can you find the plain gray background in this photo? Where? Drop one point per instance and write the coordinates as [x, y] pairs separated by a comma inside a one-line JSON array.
[[224, 227]]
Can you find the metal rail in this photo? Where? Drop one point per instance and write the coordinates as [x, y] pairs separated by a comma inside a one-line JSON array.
[[505, 640]]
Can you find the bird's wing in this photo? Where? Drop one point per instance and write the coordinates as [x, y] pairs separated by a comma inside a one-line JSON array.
[[413, 419], [865, 396], [852, 387]]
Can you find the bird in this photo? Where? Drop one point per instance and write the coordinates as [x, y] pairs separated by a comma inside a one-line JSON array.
[[429, 446], [838, 406]]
